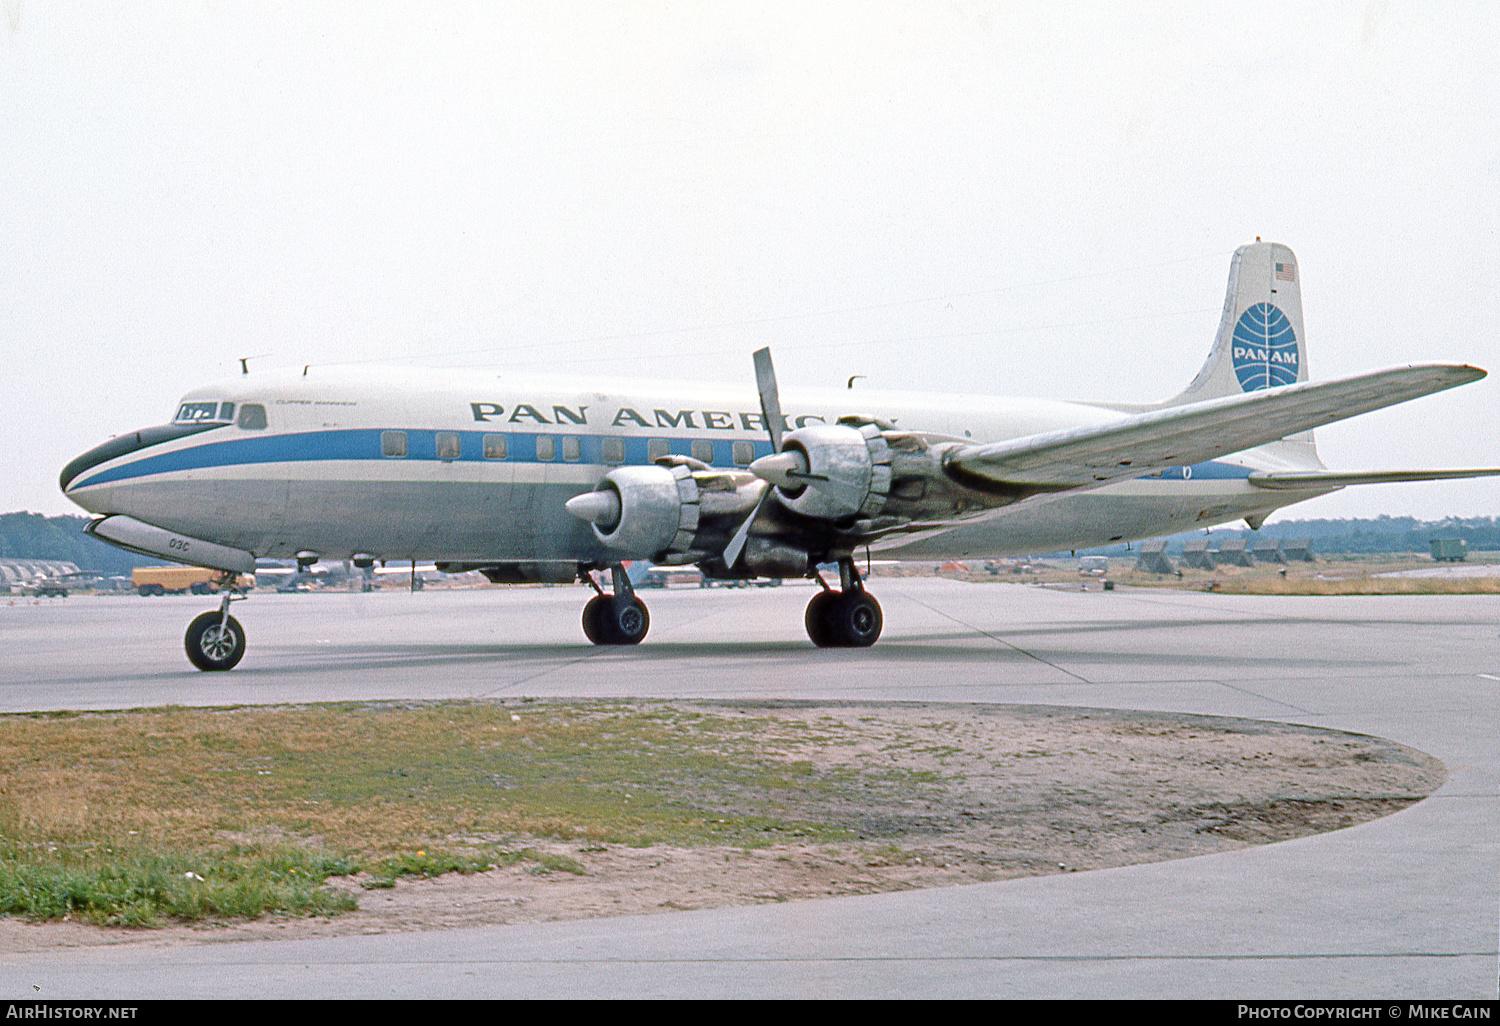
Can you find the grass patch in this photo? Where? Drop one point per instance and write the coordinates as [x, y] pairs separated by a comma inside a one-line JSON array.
[[1362, 586], [155, 815], [1333, 574], [142, 887]]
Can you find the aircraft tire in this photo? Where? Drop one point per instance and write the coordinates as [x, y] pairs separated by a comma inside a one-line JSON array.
[[208, 648], [628, 622], [606, 624], [819, 629], [855, 619], [595, 620]]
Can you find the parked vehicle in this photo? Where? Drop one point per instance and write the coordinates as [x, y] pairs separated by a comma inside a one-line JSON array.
[[174, 580]]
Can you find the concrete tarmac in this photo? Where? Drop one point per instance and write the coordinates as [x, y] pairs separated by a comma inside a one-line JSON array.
[[1402, 907]]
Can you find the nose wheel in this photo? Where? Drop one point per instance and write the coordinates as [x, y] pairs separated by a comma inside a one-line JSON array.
[[215, 640]]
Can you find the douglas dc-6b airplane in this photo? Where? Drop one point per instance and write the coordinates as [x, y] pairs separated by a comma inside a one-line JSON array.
[[545, 479]]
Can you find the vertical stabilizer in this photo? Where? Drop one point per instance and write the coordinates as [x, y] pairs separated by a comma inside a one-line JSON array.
[[1260, 342]]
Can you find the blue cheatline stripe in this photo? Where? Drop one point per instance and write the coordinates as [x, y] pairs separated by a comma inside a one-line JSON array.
[[1210, 471], [421, 445]]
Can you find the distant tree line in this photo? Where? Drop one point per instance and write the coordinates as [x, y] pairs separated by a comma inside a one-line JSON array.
[[33, 536], [1334, 537]]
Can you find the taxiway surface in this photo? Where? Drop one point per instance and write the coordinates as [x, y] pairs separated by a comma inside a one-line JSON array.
[[1405, 906]]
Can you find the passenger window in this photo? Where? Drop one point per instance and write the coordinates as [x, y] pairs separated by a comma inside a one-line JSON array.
[[657, 448], [744, 453], [572, 448], [612, 450], [703, 450], [253, 417], [393, 443], [546, 447], [447, 445], [494, 447]]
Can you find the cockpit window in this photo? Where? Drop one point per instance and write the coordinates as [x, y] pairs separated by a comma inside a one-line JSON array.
[[198, 413], [252, 416]]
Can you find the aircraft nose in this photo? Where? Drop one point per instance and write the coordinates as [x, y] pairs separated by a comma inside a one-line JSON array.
[[73, 485], [74, 476], [117, 446]]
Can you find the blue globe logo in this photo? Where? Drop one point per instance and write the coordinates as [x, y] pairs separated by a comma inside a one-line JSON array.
[[1264, 348]]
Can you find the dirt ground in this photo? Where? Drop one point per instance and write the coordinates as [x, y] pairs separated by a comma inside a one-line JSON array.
[[974, 793]]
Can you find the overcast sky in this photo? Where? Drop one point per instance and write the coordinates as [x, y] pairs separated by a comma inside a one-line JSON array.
[[1019, 199]]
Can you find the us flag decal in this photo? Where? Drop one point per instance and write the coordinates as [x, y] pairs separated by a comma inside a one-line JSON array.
[[1286, 272]]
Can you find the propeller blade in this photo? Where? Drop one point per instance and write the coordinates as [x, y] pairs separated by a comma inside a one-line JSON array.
[[770, 412], [737, 543], [770, 402]]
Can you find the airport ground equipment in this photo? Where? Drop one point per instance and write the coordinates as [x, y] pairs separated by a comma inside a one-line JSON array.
[[1449, 550], [173, 580]]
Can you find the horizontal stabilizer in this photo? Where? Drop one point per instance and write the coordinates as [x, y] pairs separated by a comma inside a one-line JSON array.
[[1293, 479], [1193, 433]]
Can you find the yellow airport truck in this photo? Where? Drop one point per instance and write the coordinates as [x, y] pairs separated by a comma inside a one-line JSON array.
[[173, 580]]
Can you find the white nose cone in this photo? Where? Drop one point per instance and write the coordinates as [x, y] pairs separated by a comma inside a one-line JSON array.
[[777, 468], [601, 508]]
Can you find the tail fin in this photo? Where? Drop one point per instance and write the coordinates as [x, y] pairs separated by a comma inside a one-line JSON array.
[[1260, 342]]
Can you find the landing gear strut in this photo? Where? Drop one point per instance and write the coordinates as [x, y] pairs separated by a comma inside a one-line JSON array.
[[849, 618], [618, 619], [215, 640]]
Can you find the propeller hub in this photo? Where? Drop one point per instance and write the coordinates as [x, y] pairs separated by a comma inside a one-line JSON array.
[[781, 469], [601, 508]]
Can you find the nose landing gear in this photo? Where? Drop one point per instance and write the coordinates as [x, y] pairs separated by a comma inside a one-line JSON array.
[[849, 618], [215, 640]]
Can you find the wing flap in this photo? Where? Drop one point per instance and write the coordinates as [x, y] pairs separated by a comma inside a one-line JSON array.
[[1290, 480], [1183, 435]]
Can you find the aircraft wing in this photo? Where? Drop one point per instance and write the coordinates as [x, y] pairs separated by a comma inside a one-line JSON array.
[[1193, 433], [1293, 479]]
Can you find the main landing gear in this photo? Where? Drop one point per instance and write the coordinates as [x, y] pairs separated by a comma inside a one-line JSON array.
[[618, 619], [215, 640], [849, 618]]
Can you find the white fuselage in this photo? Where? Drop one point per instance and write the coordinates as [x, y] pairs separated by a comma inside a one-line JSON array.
[[470, 466]]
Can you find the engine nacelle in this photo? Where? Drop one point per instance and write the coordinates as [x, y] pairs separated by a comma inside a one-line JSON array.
[[848, 471], [642, 512]]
